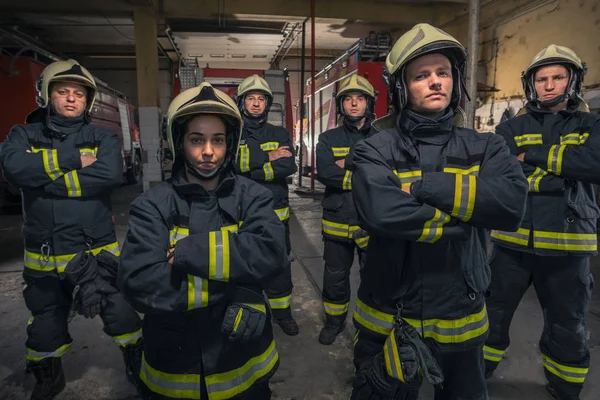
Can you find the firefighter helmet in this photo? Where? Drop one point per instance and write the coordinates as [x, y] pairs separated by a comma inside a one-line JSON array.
[[355, 84], [554, 54], [65, 71], [203, 99], [423, 39], [254, 83]]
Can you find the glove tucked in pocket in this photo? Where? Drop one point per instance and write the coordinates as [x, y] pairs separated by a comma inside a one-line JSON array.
[[246, 316]]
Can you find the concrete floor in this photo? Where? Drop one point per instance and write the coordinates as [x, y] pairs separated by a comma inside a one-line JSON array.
[[308, 370]]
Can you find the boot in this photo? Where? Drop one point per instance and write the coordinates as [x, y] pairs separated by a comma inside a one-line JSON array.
[[329, 333], [132, 355], [284, 319], [557, 395], [50, 378]]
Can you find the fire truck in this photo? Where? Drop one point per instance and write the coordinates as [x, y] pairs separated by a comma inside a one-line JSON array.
[[112, 110], [365, 57], [191, 75]]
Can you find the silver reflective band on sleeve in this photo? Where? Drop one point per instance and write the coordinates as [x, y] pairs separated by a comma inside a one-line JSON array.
[[283, 213], [268, 170]]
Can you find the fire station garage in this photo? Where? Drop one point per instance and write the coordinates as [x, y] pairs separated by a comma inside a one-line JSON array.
[[144, 53]]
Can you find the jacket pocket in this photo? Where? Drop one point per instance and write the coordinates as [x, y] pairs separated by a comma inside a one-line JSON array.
[[102, 231], [36, 236], [333, 203]]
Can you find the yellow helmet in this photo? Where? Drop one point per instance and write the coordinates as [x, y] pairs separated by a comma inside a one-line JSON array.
[[423, 39], [65, 71], [551, 55], [353, 84], [203, 99], [254, 83]]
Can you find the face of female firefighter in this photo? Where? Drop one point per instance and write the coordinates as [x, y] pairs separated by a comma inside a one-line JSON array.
[[551, 81], [67, 99], [255, 103], [355, 104], [204, 142], [429, 82]]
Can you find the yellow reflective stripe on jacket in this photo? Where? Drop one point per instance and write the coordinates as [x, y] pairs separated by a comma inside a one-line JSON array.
[[564, 372], [555, 158], [128, 338], [373, 319], [341, 230], [464, 197], [441, 330], [72, 184], [280, 303], [30, 320], [244, 158], [474, 170], [340, 151], [393, 364], [527, 139], [520, 237], [178, 386], [574, 138], [177, 233], [491, 354], [269, 146], [565, 241], [50, 161], [336, 309], [268, 170], [229, 384], [347, 181], [89, 150], [218, 259], [39, 262], [408, 177], [433, 229], [197, 292], [535, 178], [283, 213], [33, 355]]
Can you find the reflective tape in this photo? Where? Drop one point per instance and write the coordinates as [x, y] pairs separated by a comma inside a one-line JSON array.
[[218, 257], [474, 170], [229, 384], [128, 338], [520, 237], [340, 151], [197, 292], [50, 161], [30, 320], [408, 177], [528, 139], [575, 138], [347, 181], [283, 213], [491, 354], [89, 150], [344, 231], [72, 184], [535, 178], [564, 372], [280, 303], [268, 170], [42, 263], [269, 146], [565, 241], [362, 242], [178, 386], [177, 233], [555, 158], [391, 355], [433, 229], [464, 197], [244, 158], [33, 355], [335, 309], [441, 330]]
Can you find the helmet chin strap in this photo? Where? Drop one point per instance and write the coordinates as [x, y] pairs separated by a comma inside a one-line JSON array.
[[354, 120], [554, 102], [255, 117], [205, 175]]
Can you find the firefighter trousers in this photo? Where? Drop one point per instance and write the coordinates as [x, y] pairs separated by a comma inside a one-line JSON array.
[[338, 257], [49, 300], [563, 286], [279, 290], [463, 369]]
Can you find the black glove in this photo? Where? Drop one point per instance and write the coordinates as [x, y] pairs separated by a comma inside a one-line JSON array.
[[361, 238], [109, 266], [246, 316], [405, 355], [90, 290]]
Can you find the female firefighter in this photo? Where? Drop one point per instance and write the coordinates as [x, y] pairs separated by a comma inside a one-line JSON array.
[[198, 250]]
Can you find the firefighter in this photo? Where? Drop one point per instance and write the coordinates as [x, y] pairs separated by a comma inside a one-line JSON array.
[[558, 147], [355, 101], [199, 247], [267, 156], [66, 170], [426, 190]]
